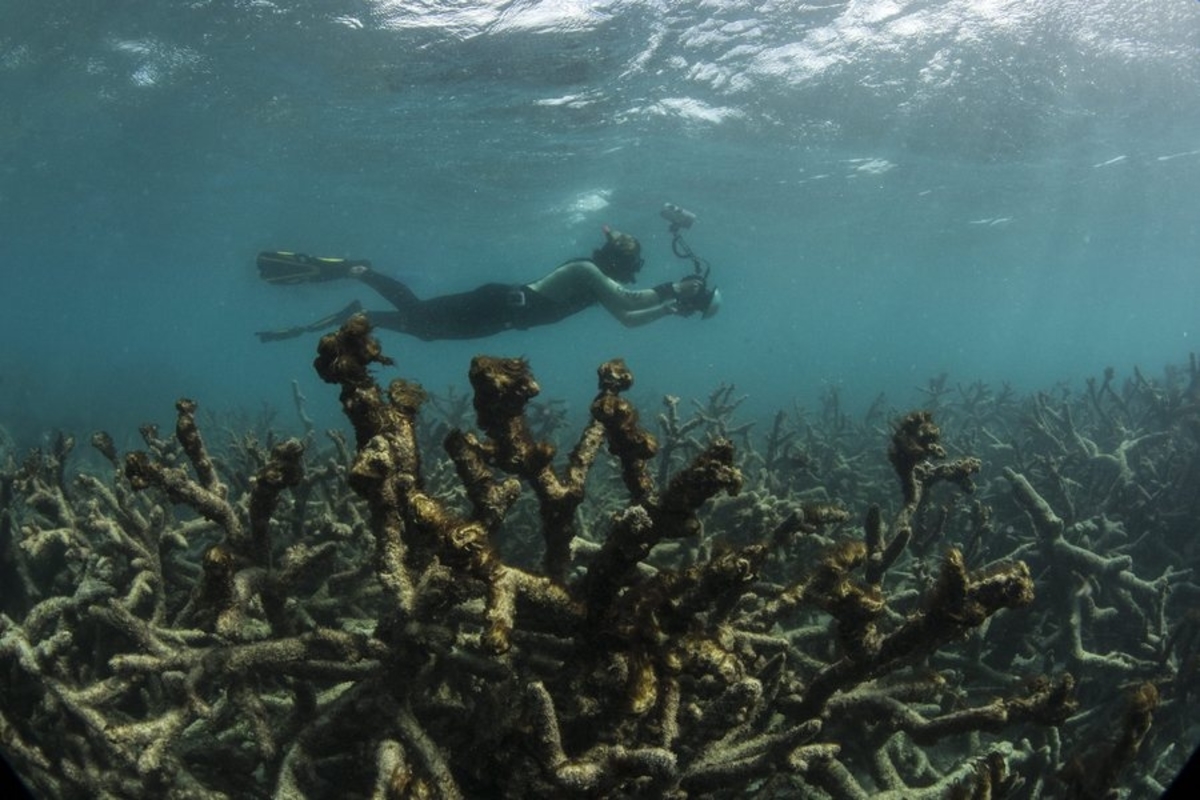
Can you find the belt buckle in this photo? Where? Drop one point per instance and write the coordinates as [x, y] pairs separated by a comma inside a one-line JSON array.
[[516, 298]]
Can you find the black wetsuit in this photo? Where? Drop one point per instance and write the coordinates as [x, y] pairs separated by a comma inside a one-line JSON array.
[[481, 312]]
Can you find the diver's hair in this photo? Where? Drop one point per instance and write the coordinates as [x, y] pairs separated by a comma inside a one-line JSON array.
[[619, 268], [620, 256]]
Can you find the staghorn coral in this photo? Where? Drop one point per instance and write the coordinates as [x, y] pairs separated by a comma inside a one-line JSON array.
[[342, 623]]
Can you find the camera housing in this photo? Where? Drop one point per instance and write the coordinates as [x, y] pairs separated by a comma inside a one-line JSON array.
[[677, 216]]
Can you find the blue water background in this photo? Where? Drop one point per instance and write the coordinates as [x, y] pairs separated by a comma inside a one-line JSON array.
[[886, 191]]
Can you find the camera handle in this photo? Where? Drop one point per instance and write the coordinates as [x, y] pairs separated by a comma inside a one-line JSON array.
[[682, 249], [679, 219]]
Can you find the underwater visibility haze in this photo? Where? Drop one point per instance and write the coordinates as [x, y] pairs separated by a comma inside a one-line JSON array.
[[1000, 191], [933, 205]]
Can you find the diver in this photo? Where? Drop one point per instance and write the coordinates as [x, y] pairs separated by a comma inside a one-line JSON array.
[[494, 307]]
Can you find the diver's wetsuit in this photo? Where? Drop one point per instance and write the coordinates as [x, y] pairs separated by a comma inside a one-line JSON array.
[[494, 307], [481, 312]]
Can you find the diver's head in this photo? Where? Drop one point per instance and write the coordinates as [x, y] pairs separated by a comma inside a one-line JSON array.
[[621, 256]]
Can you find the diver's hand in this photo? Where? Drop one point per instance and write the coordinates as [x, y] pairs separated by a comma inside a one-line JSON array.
[[688, 287], [690, 294]]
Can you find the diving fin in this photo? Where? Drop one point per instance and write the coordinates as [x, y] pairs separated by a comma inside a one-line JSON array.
[[333, 320], [284, 268]]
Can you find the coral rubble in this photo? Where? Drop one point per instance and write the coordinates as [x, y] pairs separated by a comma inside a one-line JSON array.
[[291, 621]]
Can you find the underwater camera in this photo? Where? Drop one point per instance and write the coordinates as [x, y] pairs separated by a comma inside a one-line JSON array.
[[708, 300]]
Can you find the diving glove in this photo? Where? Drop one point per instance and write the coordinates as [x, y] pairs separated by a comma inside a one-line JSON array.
[[703, 300]]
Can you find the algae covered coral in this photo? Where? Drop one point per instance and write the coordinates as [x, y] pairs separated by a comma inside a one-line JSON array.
[[644, 616]]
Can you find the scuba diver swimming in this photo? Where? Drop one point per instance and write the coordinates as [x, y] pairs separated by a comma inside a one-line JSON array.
[[494, 307]]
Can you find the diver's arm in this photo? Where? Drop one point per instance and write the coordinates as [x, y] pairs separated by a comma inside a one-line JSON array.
[[634, 308], [633, 319], [583, 277], [631, 307]]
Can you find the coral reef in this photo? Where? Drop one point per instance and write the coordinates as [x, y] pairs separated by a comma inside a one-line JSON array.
[[649, 616]]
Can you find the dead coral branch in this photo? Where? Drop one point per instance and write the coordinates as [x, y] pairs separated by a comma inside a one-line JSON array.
[[340, 625]]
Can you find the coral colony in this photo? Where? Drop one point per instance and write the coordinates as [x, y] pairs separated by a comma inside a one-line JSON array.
[[439, 613]]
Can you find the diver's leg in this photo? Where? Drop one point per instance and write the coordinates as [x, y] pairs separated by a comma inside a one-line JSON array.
[[388, 288], [466, 315], [392, 320]]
